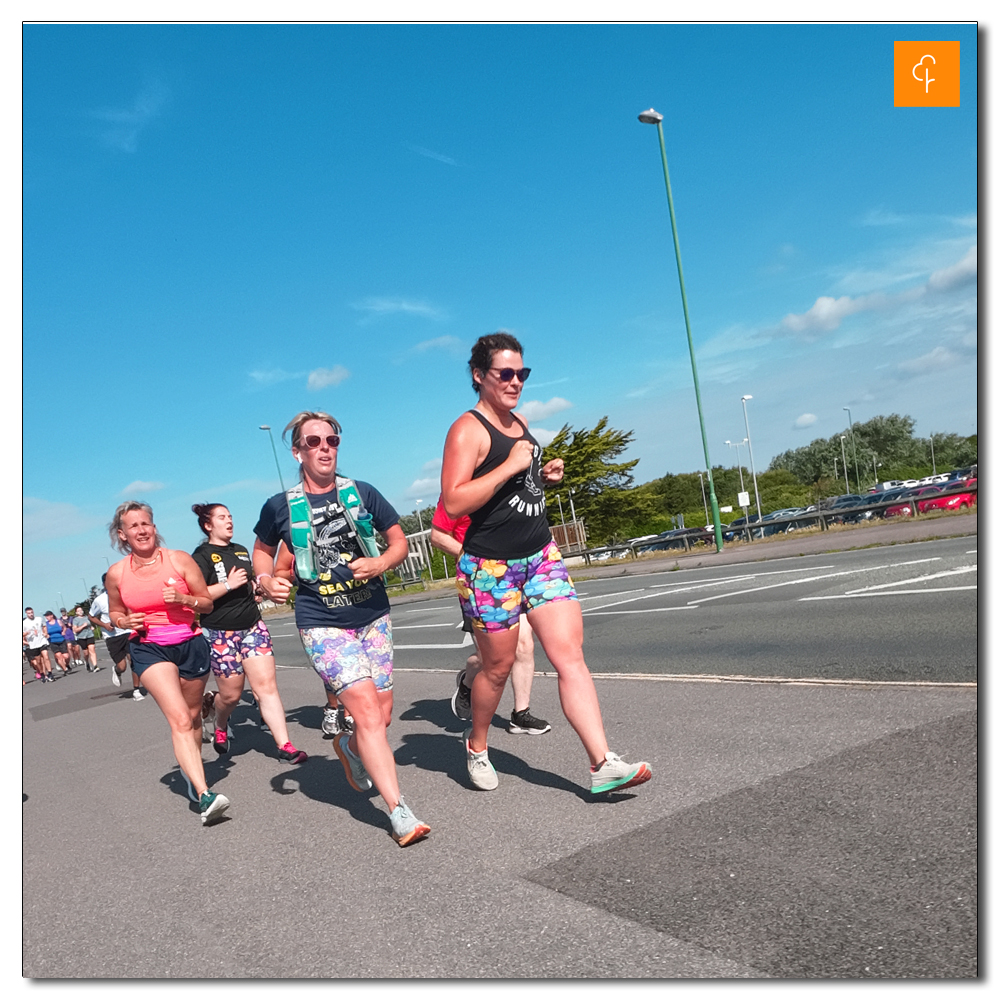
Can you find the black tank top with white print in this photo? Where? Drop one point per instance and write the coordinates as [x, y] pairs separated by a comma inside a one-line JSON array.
[[512, 523]]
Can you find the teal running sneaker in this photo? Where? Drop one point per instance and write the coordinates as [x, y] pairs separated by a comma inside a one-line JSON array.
[[614, 773], [212, 806], [406, 828]]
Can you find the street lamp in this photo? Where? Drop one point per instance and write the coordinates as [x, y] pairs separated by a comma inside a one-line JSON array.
[[739, 462], [424, 543], [844, 456], [266, 427], [702, 481], [933, 462], [651, 117], [854, 445], [753, 471]]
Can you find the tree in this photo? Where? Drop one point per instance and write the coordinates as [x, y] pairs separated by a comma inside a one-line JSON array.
[[602, 496]]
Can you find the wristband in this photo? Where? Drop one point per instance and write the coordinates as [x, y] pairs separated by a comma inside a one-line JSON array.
[[226, 582]]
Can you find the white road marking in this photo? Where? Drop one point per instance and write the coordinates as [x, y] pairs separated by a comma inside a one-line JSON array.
[[397, 628], [616, 593], [636, 611], [812, 579], [889, 593], [972, 552], [467, 641], [916, 579], [748, 576]]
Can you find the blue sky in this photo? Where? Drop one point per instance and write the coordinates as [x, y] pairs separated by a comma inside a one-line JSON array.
[[223, 225]]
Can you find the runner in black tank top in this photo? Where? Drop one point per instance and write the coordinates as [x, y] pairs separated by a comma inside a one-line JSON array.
[[492, 471]]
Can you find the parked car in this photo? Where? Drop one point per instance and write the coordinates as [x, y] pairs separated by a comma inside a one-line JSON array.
[[889, 484], [957, 501], [910, 500], [842, 509], [674, 539], [969, 472], [780, 515], [731, 531]]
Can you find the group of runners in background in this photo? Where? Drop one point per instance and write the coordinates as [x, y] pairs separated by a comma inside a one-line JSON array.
[[185, 616]]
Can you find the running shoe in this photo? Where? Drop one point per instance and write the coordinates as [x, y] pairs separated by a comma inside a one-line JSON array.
[[116, 678], [137, 694], [220, 741], [331, 721], [345, 721], [293, 756], [461, 700], [525, 722], [406, 828], [38, 676], [207, 716], [96, 669], [212, 805], [481, 771], [614, 773], [353, 767]]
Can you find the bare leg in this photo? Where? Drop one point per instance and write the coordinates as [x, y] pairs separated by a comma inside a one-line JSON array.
[[230, 689], [559, 627], [496, 649], [260, 671], [368, 706], [523, 671], [180, 702]]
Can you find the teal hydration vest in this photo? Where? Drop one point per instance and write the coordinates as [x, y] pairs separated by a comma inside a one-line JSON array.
[[359, 526]]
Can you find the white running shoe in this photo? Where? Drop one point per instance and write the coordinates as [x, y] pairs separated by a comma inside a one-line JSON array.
[[481, 771]]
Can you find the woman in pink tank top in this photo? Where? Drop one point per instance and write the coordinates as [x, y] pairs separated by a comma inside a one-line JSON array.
[[157, 593]]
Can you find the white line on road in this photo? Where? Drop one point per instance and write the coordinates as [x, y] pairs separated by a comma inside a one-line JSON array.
[[749, 576], [397, 628], [916, 579], [812, 579], [616, 593], [889, 593], [636, 611]]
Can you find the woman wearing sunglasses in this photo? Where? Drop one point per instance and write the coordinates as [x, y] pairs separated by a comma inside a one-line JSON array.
[[238, 640], [492, 471], [341, 605]]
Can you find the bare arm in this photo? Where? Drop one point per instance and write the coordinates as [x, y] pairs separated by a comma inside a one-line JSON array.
[[466, 446], [198, 599], [275, 588], [367, 567], [445, 542]]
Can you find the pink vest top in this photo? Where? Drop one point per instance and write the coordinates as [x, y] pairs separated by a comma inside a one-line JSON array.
[[166, 624]]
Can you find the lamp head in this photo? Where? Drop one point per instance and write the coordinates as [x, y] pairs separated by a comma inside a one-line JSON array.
[[650, 117], [746, 397], [265, 427]]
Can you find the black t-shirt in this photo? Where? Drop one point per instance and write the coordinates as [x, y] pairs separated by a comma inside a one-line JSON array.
[[237, 608], [336, 599]]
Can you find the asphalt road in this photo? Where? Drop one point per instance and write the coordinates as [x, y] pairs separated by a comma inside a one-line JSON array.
[[796, 830]]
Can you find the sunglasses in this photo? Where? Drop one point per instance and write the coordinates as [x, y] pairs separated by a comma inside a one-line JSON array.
[[314, 440], [506, 374]]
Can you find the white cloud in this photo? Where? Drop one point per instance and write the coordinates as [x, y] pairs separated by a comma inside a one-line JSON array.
[[320, 378], [42, 520], [424, 489], [806, 420], [273, 376], [451, 344], [430, 154], [962, 273], [140, 486], [882, 217], [388, 307], [534, 409], [124, 125], [434, 465], [542, 436], [935, 360]]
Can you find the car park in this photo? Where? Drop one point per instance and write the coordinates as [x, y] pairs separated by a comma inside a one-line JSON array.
[[733, 529], [909, 500], [954, 501]]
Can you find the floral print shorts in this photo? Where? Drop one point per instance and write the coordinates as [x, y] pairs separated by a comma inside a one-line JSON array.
[[495, 592], [230, 647], [344, 656]]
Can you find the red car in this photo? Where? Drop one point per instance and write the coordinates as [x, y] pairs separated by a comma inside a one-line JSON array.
[[957, 501], [905, 506]]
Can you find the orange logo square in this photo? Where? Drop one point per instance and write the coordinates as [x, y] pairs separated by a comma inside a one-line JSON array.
[[925, 75]]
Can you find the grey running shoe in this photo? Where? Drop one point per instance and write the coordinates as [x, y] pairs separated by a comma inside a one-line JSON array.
[[614, 773], [461, 700], [406, 828], [331, 721], [481, 772], [212, 805], [353, 767], [116, 678], [137, 694], [345, 721], [525, 722]]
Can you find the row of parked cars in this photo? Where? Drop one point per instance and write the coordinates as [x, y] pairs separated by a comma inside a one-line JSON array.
[[957, 490]]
